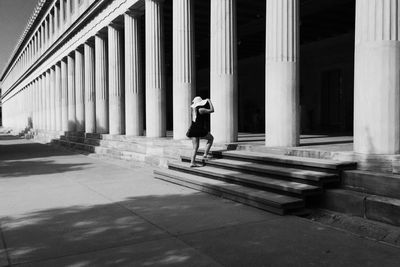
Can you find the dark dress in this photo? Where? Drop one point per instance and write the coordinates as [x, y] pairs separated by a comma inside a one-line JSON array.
[[198, 127]]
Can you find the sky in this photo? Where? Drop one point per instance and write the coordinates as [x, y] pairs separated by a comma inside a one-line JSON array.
[[14, 15]]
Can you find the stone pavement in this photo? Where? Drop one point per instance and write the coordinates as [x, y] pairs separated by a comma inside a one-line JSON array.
[[59, 208]]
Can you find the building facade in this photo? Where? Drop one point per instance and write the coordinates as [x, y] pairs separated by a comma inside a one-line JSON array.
[[132, 67]]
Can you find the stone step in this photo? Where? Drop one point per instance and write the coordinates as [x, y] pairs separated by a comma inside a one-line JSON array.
[[276, 203], [373, 207], [376, 183], [104, 152], [74, 134], [74, 145], [289, 161], [294, 174], [262, 182]]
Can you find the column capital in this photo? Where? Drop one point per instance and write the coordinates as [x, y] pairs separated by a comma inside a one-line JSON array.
[[157, 1], [116, 25], [134, 13], [101, 34], [90, 41]]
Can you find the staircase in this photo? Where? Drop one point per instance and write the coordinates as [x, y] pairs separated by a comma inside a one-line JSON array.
[[150, 151], [276, 183]]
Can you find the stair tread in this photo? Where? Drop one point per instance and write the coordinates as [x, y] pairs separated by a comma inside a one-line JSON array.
[[275, 199], [316, 176], [314, 162], [258, 180]]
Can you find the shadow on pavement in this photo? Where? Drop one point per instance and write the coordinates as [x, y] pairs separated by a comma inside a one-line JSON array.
[[11, 169], [100, 235], [30, 150], [115, 235], [8, 137]]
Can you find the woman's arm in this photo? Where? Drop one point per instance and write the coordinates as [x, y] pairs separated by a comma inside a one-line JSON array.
[[207, 110]]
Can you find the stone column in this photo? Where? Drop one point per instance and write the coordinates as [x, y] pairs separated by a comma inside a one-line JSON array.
[[64, 96], [377, 77], [34, 48], [37, 105], [42, 49], [282, 73], [56, 22], [62, 21], [80, 91], [223, 76], [115, 81], [71, 94], [134, 91], [46, 34], [90, 94], [47, 100], [57, 96], [51, 29], [30, 105], [68, 13], [101, 84], [41, 103], [52, 100], [34, 93], [155, 70], [184, 83]]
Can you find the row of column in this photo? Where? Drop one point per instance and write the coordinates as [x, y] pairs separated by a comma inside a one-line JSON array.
[[58, 19], [100, 89]]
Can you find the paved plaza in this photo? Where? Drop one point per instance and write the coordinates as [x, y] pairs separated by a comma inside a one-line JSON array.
[[60, 208]]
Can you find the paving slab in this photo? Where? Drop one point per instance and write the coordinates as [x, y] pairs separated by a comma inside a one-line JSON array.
[[290, 241], [139, 185], [194, 212], [68, 231], [167, 252]]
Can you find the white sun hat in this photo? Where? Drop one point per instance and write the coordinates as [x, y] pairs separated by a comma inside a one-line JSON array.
[[198, 101]]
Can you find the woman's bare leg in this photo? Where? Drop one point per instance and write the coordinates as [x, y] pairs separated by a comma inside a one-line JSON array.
[[210, 140], [195, 142]]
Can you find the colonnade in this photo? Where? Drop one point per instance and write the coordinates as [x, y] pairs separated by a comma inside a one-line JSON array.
[[99, 88]]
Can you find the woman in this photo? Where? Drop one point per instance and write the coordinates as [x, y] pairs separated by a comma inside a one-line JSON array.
[[197, 130]]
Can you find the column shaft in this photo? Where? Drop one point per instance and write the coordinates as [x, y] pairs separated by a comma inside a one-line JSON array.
[[377, 77], [223, 68], [51, 29], [282, 73], [183, 65], [47, 99], [134, 91], [71, 94], [68, 13], [80, 91], [56, 21], [46, 34], [62, 18], [57, 96], [41, 103], [101, 84], [52, 100], [64, 96], [90, 94], [116, 84], [155, 70]]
